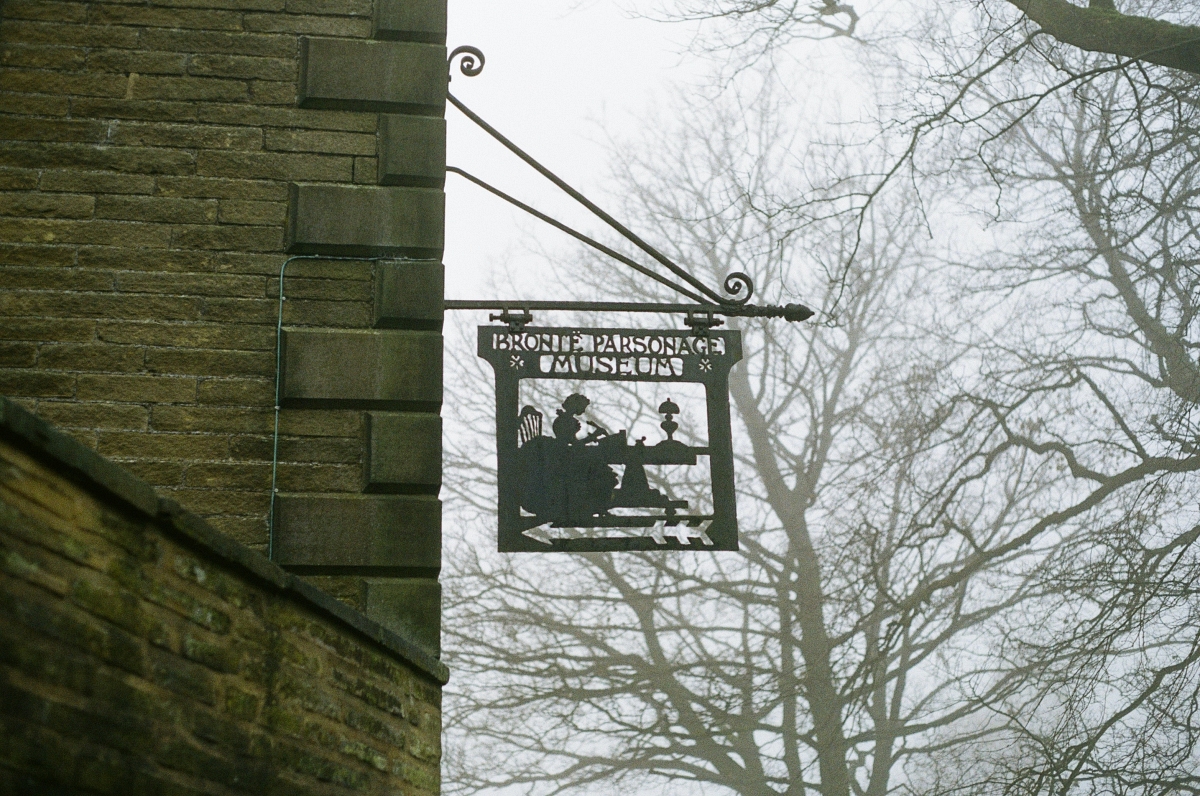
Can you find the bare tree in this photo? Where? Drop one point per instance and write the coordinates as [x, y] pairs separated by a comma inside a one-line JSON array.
[[969, 506], [954, 68], [971, 535], [889, 530], [1096, 372], [1149, 34]]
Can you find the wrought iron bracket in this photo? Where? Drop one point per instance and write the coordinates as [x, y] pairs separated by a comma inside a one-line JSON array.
[[738, 287]]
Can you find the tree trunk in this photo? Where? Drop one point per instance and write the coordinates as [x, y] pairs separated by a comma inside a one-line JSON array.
[[820, 689]]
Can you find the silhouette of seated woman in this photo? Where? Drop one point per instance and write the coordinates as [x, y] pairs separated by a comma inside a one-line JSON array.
[[566, 425], [562, 479]]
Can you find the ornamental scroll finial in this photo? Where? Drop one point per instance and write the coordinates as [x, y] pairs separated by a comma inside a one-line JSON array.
[[468, 63], [734, 283]]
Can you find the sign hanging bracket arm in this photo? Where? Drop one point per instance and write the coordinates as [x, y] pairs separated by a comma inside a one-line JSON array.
[[595, 244], [735, 283]]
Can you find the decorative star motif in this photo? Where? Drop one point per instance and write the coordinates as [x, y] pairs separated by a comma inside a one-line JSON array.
[[705, 365], [516, 362]]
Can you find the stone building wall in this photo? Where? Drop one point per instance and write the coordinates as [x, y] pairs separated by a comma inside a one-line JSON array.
[[143, 652], [159, 163]]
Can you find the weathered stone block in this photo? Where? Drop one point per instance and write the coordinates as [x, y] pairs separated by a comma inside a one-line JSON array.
[[411, 606], [332, 534], [411, 20], [409, 295], [404, 452], [412, 151], [365, 221], [380, 76], [400, 370]]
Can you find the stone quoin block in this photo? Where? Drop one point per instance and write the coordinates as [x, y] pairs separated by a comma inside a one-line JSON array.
[[365, 221], [412, 606], [369, 369], [404, 452], [376, 76], [384, 534], [412, 151], [411, 20], [409, 295]]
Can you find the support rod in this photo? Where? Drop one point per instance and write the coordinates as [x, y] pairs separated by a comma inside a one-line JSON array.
[[735, 283], [595, 244], [790, 312]]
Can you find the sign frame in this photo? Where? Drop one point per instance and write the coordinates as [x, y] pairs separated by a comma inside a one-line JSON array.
[[699, 356]]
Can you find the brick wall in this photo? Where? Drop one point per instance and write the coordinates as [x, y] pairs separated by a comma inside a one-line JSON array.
[[158, 163], [142, 652]]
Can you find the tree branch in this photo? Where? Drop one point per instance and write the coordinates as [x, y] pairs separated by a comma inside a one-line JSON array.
[[1105, 31]]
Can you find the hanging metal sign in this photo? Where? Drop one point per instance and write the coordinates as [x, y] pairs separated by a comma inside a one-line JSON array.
[[559, 487], [558, 490]]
